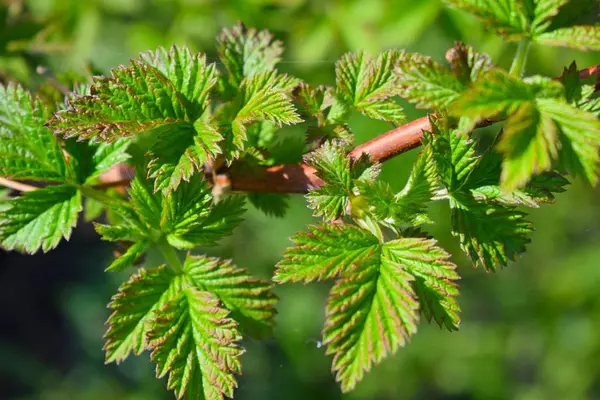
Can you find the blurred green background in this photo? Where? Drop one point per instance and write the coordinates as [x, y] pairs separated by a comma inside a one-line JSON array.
[[532, 331]]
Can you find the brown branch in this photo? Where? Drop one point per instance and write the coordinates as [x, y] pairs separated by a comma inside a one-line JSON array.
[[298, 178], [14, 185]]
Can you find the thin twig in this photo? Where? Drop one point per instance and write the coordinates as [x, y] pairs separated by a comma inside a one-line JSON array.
[[21, 187]]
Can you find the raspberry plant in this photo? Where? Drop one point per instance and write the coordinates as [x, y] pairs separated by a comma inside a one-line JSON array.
[[200, 140]]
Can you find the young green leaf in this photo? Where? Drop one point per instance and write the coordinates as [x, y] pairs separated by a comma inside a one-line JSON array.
[[372, 308], [426, 83], [490, 234], [134, 99], [272, 204], [369, 85], [132, 308], [40, 219], [334, 167], [189, 73], [250, 300], [194, 341], [325, 252], [246, 52], [454, 155], [407, 206], [191, 218], [507, 17], [371, 312], [28, 150], [129, 257], [261, 97], [466, 63], [576, 37], [580, 139], [180, 151]]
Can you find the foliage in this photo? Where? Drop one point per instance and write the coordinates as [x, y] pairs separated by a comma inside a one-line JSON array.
[[181, 120]]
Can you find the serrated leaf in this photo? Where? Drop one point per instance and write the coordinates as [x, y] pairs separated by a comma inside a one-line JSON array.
[[490, 234], [194, 341], [147, 204], [369, 85], [246, 52], [507, 17], [575, 37], [454, 155], [529, 143], [271, 204], [262, 97], [107, 155], [434, 278], [334, 167], [580, 139], [189, 73], [180, 151], [250, 300], [129, 257], [325, 252], [466, 63], [426, 83], [407, 206], [40, 219], [132, 308], [191, 218], [371, 312], [543, 13], [134, 99], [28, 150], [372, 308]]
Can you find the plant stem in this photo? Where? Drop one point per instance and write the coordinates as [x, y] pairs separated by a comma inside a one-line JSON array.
[[169, 253], [517, 69], [21, 187]]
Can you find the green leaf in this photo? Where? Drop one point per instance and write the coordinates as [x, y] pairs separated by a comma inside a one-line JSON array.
[[250, 300], [334, 167], [40, 219], [407, 206], [544, 12], [541, 127], [580, 139], [191, 218], [129, 257], [28, 150], [490, 234], [133, 100], [369, 85], [189, 73], [426, 83], [132, 308], [147, 204], [454, 155], [92, 209], [246, 52], [262, 97], [372, 308], [272, 204], [325, 252], [529, 143], [507, 17], [466, 63], [194, 342], [434, 278], [575, 37], [179, 151], [106, 156]]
